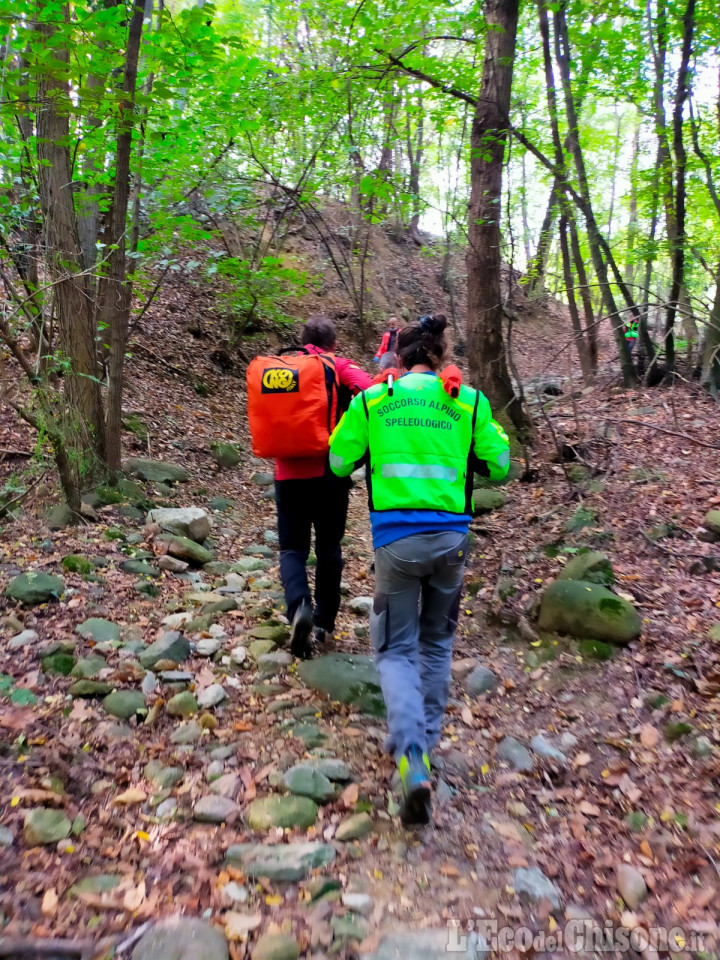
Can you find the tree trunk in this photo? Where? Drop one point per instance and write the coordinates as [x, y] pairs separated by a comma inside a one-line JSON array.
[[85, 427], [594, 237], [678, 247], [579, 336], [590, 325], [538, 265], [115, 291], [711, 351], [486, 348]]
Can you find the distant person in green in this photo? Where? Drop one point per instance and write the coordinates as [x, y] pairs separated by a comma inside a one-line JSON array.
[[632, 333], [421, 448]]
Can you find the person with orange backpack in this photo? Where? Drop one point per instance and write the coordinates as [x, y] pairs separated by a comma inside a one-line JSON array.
[[295, 400]]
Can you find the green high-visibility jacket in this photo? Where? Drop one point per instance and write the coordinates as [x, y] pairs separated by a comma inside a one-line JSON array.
[[421, 445]]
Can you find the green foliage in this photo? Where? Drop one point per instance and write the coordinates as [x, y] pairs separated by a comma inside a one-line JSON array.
[[76, 563]]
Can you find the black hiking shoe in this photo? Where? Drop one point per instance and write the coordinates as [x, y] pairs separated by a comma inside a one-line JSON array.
[[414, 767], [301, 629]]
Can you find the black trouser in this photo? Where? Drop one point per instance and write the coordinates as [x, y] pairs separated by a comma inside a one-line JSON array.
[[322, 503]]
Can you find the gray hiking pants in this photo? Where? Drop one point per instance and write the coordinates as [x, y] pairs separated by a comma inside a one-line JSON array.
[[418, 585]]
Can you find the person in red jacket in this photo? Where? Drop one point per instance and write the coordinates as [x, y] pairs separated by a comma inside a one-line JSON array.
[[309, 496]]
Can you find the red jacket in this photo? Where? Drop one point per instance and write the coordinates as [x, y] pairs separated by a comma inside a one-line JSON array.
[[304, 468]]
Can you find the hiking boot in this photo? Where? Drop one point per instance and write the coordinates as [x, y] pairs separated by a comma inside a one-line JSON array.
[[320, 634], [414, 768], [301, 629]]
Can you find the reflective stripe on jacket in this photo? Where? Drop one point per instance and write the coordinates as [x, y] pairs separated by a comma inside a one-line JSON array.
[[422, 445]]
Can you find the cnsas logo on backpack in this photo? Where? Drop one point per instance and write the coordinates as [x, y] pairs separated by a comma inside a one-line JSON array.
[[280, 380]]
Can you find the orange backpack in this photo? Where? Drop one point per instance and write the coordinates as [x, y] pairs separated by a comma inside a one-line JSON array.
[[292, 404]]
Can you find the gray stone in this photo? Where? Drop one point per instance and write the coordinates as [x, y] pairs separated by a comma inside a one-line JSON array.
[[480, 680], [183, 704], [262, 479], [171, 646], [349, 927], [220, 504], [238, 656], [631, 885], [191, 522], [140, 568], [176, 676], [59, 517], [330, 767], [166, 808], [124, 703], [156, 471], [276, 946], [591, 566], [182, 938], [588, 610], [426, 945], [258, 648], [486, 500], [211, 696], [214, 770], [533, 886], [361, 903], [287, 812], [703, 747], [250, 565], [43, 826], [288, 862], [33, 587], [89, 667], [712, 521], [225, 455], [347, 678], [543, 748], [23, 639], [6, 837], [89, 688], [512, 752], [225, 785], [362, 606], [270, 664], [172, 564], [354, 827], [98, 884], [185, 549], [306, 780], [186, 733], [235, 893], [99, 630], [207, 646], [214, 809], [161, 776]]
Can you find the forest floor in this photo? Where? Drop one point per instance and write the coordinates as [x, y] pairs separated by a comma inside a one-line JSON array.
[[630, 806]]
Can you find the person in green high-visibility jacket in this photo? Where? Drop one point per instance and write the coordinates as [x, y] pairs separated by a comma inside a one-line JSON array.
[[421, 448]]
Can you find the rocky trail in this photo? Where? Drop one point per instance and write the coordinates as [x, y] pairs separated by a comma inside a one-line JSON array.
[[162, 755]]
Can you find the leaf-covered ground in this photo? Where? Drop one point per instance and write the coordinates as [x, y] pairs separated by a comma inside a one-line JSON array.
[[637, 787]]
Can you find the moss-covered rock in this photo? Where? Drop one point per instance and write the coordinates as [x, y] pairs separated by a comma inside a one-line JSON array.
[[156, 471], [76, 563], [591, 566], [34, 587], [287, 812], [487, 500], [587, 610], [712, 521], [185, 549], [226, 455]]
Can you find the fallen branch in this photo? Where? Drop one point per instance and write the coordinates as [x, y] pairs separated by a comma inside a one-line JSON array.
[[649, 426], [85, 949]]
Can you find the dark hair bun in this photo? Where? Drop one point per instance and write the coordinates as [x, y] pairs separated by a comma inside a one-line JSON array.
[[434, 324]]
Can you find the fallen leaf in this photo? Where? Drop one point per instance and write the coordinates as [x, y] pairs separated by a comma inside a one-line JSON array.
[[49, 903], [131, 796], [449, 870], [589, 809], [239, 925], [134, 897], [350, 795], [581, 760], [649, 736], [467, 717]]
